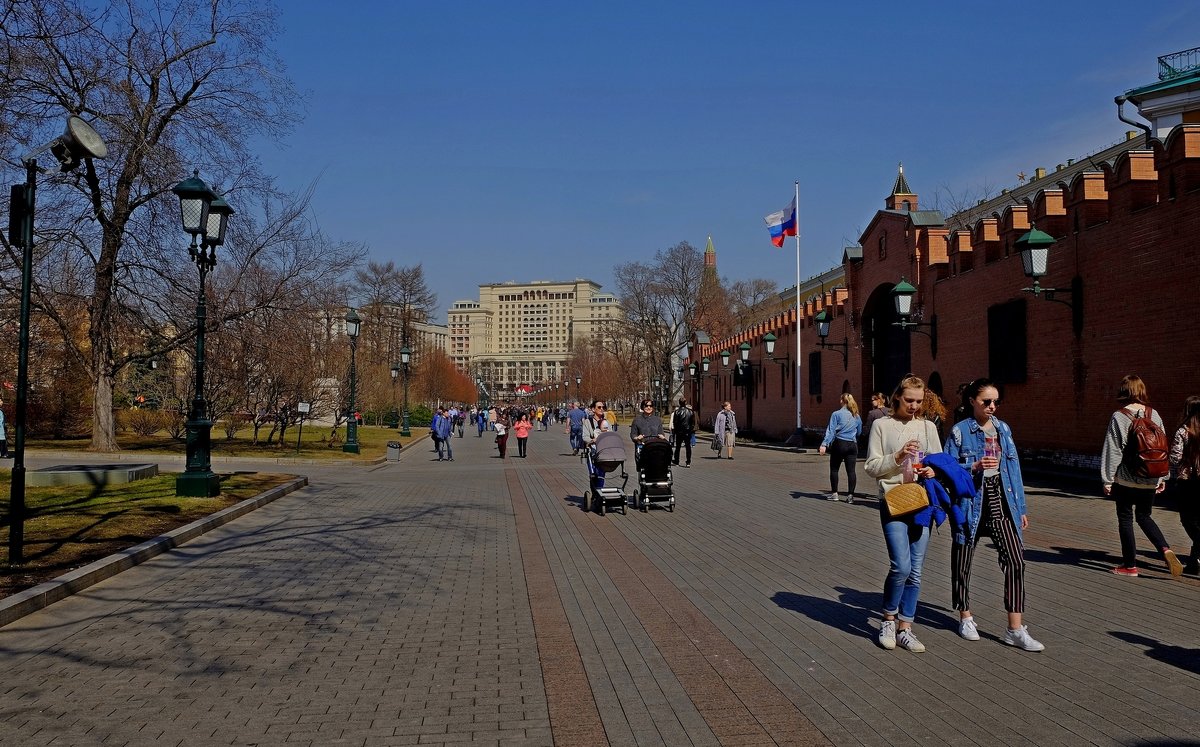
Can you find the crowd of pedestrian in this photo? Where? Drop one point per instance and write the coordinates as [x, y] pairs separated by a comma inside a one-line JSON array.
[[974, 479]]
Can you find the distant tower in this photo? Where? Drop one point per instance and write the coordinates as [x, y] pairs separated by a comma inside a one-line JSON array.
[[710, 261], [901, 198]]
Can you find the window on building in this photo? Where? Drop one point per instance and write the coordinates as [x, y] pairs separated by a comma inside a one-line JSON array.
[[814, 372], [1007, 342]]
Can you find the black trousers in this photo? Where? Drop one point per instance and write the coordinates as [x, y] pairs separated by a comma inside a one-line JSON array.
[[683, 440], [843, 451]]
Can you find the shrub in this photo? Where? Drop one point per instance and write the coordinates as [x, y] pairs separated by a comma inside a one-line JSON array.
[[143, 422]]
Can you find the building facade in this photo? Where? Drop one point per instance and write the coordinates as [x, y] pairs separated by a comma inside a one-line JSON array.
[[1118, 297], [521, 334]]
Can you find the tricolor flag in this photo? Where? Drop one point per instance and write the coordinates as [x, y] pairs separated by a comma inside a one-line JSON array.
[[782, 223]]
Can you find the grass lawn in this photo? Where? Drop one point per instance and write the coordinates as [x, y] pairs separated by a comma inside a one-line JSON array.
[[314, 443], [70, 526]]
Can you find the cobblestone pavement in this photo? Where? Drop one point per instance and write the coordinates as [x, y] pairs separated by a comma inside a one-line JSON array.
[[421, 602]]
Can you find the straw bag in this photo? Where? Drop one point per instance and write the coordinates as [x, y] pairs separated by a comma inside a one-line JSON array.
[[905, 499]]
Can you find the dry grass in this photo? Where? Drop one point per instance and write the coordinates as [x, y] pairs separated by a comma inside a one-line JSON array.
[[67, 527]]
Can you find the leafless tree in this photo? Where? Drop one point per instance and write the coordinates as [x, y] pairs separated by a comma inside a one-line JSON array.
[[170, 85], [748, 298]]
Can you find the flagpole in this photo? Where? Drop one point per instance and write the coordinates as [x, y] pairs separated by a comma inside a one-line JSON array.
[[799, 368]]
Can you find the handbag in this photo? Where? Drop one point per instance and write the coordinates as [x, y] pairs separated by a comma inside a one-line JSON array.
[[905, 499]]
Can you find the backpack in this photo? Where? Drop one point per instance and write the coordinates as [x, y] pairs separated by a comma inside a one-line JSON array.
[[1146, 447]]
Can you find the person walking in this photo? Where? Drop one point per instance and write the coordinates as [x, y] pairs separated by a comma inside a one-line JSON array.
[[593, 425], [878, 410], [1133, 492], [575, 420], [896, 444], [501, 428], [443, 432], [841, 441], [725, 430], [646, 426], [683, 425], [1185, 460], [984, 445], [521, 430], [3, 433], [481, 421]]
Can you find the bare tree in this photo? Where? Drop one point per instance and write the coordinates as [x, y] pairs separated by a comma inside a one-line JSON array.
[[169, 84], [417, 302], [747, 298]]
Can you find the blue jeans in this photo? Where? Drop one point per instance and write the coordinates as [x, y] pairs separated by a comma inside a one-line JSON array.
[[906, 545]]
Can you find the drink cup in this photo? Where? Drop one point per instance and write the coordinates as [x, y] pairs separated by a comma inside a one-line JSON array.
[[919, 461]]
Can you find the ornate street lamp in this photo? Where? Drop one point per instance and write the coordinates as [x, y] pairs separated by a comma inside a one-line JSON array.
[[395, 371], [1034, 247], [79, 142], [822, 319], [405, 359], [902, 295], [205, 216], [353, 324]]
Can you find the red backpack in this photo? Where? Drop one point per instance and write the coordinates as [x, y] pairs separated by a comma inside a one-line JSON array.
[[1146, 447]]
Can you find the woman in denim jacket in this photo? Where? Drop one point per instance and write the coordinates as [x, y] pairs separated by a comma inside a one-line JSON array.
[[999, 505]]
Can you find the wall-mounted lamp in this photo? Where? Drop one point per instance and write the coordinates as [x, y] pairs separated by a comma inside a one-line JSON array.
[[903, 294], [822, 319], [1034, 247]]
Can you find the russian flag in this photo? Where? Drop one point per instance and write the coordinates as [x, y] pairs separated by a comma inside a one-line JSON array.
[[782, 223]]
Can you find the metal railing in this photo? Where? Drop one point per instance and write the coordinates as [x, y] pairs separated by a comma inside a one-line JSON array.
[[1178, 63]]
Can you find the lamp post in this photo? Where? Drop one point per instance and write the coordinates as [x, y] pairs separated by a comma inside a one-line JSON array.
[[902, 295], [205, 216], [79, 142], [353, 324], [405, 359], [1034, 247], [395, 371], [657, 398]]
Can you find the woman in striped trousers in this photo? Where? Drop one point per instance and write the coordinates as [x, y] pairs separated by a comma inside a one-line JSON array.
[[984, 445]]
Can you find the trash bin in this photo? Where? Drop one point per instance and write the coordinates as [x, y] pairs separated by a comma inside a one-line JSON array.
[[393, 451]]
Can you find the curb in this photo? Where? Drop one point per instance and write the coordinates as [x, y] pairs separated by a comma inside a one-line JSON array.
[[43, 595]]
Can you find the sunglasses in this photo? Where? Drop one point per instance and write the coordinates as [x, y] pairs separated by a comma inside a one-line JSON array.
[[599, 407], [990, 402]]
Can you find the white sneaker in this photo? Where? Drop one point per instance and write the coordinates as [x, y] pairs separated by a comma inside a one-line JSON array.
[[887, 634], [1022, 640], [967, 629], [908, 640], [833, 497], [850, 498]]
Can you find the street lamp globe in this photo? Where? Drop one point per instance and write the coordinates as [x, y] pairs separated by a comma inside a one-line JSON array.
[[405, 355], [692, 368], [195, 199], [578, 381], [902, 295], [744, 349], [769, 339], [353, 323], [725, 354], [822, 320], [705, 363], [1034, 247]]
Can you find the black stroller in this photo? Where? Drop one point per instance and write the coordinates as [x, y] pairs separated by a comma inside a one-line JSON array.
[[654, 475], [605, 456]]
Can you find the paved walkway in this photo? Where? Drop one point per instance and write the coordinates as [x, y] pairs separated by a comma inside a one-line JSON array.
[[425, 603]]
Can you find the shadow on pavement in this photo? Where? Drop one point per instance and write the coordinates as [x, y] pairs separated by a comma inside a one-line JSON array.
[[853, 611], [1187, 659]]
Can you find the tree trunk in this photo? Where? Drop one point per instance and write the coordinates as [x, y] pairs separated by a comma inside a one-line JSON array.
[[103, 428]]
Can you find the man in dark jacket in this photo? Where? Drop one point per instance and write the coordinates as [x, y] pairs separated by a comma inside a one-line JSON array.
[[683, 424]]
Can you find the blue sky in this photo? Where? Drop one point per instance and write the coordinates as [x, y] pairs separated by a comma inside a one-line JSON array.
[[547, 141]]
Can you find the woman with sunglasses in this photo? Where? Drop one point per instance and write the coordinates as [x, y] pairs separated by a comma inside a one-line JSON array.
[[984, 445]]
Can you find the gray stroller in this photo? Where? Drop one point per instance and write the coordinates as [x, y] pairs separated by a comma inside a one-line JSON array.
[[606, 456]]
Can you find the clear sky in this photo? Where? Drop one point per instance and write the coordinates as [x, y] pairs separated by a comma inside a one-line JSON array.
[[498, 141]]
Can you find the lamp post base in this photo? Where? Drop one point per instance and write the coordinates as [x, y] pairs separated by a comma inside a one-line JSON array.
[[198, 480], [198, 485], [351, 445]]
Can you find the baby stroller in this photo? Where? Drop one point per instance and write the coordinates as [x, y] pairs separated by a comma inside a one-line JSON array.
[[654, 475], [605, 456]]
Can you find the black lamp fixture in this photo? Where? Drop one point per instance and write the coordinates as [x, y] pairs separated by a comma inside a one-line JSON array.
[[822, 319], [1034, 247], [205, 216], [769, 341], [902, 295], [725, 356]]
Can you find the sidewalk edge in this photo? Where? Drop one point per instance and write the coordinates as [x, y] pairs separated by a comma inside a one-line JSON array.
[[43, 595]]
